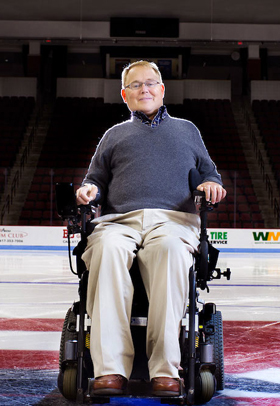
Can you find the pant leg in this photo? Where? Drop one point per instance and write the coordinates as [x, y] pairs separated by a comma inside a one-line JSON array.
[[164, 263], [109, 256]]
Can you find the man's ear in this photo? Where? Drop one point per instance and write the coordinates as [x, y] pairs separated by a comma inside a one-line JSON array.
[[163, 90], [123, 95]]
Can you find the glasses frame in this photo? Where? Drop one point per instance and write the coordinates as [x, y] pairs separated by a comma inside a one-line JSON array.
[[155, 83]]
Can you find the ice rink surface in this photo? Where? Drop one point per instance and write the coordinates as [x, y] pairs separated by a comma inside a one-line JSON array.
[[37, 288]]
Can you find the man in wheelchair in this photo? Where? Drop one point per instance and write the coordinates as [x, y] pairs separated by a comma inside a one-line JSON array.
[[139, 176]]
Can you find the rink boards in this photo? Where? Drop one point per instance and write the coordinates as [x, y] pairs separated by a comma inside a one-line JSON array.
[[55, 238]]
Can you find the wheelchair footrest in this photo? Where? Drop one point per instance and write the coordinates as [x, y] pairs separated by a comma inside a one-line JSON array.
[[138, 389]]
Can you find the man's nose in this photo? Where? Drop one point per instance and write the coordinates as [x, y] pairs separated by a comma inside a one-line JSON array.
[[145, 87]]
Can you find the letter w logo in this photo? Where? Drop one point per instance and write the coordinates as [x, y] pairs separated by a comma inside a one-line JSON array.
[[260, 236], [268, 236], [274, 237]]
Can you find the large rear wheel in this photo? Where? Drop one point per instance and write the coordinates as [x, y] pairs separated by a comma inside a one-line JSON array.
[[69, 333], [216, 339], [67, 377]]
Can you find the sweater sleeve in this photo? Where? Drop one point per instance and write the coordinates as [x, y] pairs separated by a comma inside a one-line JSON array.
[[205, 165], [99, 172]]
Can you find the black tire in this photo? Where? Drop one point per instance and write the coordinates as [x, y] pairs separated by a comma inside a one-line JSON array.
[[70, 382], [68, 333], [205, 387], [216, 340]]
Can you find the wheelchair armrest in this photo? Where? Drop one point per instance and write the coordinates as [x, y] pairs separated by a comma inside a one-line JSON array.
[[195, 179], [66, 204], [198, 196], [88, 208], [199, 199]]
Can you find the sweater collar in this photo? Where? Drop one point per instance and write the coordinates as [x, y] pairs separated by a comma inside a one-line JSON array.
[[159, 117]]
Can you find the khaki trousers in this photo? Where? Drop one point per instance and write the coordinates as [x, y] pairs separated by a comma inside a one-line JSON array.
[[164, 242]]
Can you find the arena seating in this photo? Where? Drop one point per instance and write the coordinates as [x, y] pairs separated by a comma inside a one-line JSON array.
[[267, 114], [14, 115], [78, 124], [76, 127], [216, 122]]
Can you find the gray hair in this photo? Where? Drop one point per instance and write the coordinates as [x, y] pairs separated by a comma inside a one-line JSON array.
[[140, 63]]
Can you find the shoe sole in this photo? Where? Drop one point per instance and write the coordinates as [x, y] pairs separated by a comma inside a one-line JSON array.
[[108, 391], [165, 393]]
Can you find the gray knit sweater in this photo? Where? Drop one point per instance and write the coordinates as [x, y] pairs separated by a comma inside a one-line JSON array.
[[139, 167]]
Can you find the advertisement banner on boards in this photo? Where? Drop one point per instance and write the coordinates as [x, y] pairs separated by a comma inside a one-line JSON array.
[[228, 240], [25, 237], [245, 239]]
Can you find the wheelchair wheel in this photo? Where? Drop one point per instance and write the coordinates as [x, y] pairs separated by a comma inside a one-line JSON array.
[[68, 333], [67, 377], [70, 382], [205, 387], [216, 340]]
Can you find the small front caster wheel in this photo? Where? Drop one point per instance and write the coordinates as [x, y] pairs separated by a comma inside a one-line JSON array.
[[206, 387], [70, 383]]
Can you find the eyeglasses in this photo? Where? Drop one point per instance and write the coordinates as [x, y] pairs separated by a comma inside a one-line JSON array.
[[137, 85]]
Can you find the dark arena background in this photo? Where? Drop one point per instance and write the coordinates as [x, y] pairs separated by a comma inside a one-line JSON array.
[[60, 65]]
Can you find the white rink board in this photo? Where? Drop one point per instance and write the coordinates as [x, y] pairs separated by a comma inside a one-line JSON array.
[[31, 237], [227, 240]]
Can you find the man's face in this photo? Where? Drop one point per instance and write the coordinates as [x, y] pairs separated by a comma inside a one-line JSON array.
[[145, 99]]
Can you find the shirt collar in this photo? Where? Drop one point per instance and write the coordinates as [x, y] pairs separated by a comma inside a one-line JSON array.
[[159, 117]]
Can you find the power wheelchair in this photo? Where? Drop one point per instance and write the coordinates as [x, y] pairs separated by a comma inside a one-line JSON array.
[[201, 336]]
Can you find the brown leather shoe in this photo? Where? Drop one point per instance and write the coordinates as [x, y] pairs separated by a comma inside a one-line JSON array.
[[164, 386], [109, 385]]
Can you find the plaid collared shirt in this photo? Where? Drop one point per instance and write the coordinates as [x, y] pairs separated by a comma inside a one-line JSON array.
[[159, 117]]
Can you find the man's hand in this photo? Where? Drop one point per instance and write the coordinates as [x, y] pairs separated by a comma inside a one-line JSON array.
[[86, 194], [214, 192]]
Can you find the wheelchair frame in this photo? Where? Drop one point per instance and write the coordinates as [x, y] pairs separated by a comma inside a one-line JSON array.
[[201, 337]]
